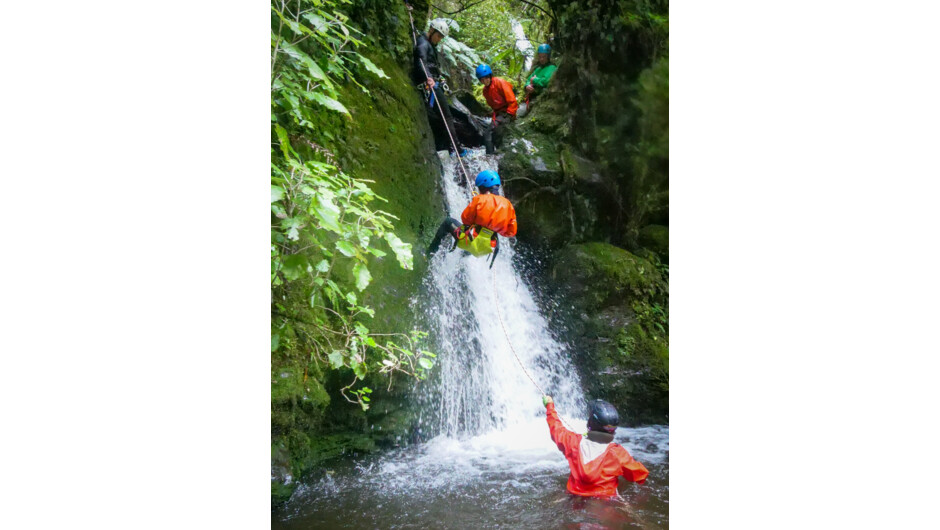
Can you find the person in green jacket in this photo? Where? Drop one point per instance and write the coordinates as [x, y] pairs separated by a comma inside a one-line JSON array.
[[538, 79]]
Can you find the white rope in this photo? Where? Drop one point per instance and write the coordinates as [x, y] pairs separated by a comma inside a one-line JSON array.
[[473, 192], [513, 350]]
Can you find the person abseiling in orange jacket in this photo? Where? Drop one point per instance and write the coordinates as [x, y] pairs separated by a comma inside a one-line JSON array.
[[487, 215], [594, 459], [500, 97]]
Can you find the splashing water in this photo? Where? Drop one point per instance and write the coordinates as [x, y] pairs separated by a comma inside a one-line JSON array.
[[490, 461], [481, 386], [522, 43]]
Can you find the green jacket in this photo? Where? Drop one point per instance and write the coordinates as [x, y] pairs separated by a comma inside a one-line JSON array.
[[541, 76]]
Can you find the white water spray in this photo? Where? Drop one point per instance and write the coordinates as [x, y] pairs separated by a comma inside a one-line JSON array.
[[491, 462], [480, 385], [522, 43]]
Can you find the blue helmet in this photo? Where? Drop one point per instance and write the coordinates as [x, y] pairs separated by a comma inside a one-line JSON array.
[[484, 70], [545, 48], [487, 179]]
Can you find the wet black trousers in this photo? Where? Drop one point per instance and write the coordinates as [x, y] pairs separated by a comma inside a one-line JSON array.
[[449, 226], [441, 139], [493, 135]]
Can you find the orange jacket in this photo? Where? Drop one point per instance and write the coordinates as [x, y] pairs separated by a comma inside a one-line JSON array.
[[594, 466], [491, 211], [500, 97]]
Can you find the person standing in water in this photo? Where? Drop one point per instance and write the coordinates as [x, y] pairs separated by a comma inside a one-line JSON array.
[[594, 459]]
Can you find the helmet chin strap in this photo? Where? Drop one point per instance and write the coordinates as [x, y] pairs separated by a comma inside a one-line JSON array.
[[600, 437]]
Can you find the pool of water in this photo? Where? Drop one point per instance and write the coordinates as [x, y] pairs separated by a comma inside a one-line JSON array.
[[513, 478]]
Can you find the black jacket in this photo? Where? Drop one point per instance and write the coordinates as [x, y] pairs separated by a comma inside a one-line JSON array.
[[425, 51]]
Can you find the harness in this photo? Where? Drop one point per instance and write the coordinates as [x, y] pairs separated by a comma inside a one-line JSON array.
[[429, 94], [478, 241]]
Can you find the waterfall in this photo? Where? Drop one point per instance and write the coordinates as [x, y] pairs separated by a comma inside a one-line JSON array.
[[523, 44], [489, 461], [479, 385]]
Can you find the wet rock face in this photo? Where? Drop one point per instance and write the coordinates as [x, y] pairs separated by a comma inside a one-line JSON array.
[[388, 141], [610, 293], [600, 275]]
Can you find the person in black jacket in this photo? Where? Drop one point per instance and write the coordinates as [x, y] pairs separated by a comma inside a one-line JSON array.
[[426, 70]]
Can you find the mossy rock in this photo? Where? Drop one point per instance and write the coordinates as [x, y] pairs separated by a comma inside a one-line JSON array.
[[597, 275], [656, 238], [393, 427], [634, 376], [582, 172], [281, 492], [387, 140]]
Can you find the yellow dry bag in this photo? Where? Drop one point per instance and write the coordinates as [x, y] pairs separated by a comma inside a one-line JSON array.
[[482, 243]]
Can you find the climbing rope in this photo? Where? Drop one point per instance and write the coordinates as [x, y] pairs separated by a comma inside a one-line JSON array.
[[473, 192], [513, 350], [439, 109], [505, 332]]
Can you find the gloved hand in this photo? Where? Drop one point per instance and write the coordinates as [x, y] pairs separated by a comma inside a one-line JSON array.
[[546, 400]]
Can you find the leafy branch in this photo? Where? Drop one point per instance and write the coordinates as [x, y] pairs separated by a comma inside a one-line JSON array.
[[325, 228]]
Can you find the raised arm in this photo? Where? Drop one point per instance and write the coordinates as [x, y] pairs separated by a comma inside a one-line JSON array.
[[563, 438]]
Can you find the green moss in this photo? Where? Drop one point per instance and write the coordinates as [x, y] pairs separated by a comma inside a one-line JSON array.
[[280, 492], [637, 376], [392, 426], [656, 238], [600, 274], [388, 141]]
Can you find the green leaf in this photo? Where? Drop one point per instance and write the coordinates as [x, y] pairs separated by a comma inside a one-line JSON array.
[[316, 21], [402, 250], [362, 276], [283, 141], [351, 298], [323, 266], [292, 226], [336, 359], [315, 71], [275, 342], [362, 330], [346, 248], [370, 66], [326, 212], [360, 371], [426, 363], [294, 266], [277, 193], [330, 103]]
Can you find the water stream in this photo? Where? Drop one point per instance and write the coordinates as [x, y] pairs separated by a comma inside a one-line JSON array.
[[490, 462]]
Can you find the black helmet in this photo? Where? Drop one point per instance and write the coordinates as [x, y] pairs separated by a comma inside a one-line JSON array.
[[602, 417]]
